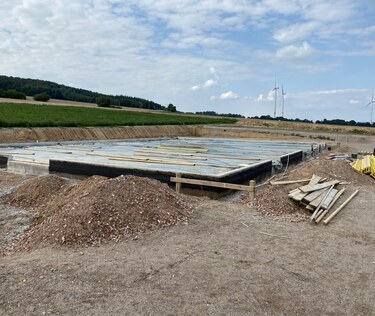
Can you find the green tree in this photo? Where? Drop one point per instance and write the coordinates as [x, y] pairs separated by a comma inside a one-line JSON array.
[[171, 108], [104, 101]]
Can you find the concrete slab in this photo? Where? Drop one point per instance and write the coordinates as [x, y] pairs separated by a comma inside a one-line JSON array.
[[219, 159]]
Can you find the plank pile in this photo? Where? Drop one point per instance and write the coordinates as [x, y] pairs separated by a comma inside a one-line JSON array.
[[318, 196], [339, 157]]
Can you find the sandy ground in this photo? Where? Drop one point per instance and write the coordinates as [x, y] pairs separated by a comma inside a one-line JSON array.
[[228, 260]]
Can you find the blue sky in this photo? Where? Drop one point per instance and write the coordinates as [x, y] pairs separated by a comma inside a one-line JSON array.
[[203, 55]]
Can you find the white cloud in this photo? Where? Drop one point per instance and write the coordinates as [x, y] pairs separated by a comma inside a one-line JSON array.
[[270, 96], [213, 70], [230, 95], [322, 10], [353, 101], [296, 32], [292, 51], [207, 84]]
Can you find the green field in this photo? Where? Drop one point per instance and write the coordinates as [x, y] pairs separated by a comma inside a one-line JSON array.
[[29, 115]]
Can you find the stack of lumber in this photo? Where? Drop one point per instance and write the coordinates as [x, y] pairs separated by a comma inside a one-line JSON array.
[[318, 196], [339, 157]]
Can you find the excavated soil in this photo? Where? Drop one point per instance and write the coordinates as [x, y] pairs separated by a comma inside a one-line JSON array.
[[35, 191], [99, 209]]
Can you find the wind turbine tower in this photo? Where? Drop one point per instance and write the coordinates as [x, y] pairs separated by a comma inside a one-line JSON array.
[[372, 105], [275, 91], [283, 93]]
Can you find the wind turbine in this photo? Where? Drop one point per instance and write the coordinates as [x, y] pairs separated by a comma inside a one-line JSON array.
[[283, 94], [275, 90], [372, 105]]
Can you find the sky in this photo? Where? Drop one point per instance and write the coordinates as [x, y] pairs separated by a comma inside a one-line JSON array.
[[201, 55]]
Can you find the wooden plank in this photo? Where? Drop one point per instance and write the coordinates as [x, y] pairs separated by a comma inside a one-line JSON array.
[[288, 181], [329, 198], [16, 153], [310, 208], [196, 149], [314, 203], [309, 188], [156, 161], [313, 195], [321, 203], [329, 218], [213, 184], [203, 155], [315, 179], [321, 216], [298, 196], [295, 191], [156, 155]]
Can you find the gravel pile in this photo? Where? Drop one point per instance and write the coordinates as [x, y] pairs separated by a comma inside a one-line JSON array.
[[35, 192], [100, 209]]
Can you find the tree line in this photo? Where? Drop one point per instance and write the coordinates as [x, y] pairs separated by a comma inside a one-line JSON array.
[[324, 121], [32, 87]]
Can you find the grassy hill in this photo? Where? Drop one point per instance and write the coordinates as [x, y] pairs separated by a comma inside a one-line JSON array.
[[57, 91]]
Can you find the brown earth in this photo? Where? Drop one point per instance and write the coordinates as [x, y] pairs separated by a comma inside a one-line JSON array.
[[274, 201], [95, 210]]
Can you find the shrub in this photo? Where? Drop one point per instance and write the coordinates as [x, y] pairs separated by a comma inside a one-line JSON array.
[[12, 94], [41, 97], [104, 101]]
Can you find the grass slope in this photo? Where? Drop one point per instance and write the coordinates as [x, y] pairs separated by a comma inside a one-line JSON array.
[[28, 115]]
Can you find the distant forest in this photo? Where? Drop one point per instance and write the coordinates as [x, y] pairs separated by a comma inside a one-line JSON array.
[[325, 121], [32, 87], [213, 113]]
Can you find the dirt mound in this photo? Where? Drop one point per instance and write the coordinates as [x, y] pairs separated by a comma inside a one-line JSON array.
[[36, 191], [99, 209], [332, 169], [274, 200]]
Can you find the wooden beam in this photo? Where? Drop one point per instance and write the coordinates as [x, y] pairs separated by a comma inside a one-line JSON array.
[[215, 184], [321, 216], [329, 218], [309, 188], [321, 203], [288, 181]]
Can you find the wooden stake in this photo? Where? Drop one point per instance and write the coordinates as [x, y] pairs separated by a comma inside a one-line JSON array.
[[178, 184], [252, 191], [329, 218]]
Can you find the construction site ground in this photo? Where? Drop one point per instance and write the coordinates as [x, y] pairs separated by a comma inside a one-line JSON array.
[[229, 258]]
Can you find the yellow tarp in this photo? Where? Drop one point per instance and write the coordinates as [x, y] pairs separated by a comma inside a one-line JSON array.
[[365, 165]]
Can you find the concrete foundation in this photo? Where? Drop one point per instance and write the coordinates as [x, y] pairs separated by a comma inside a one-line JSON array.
[[214, 159]]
